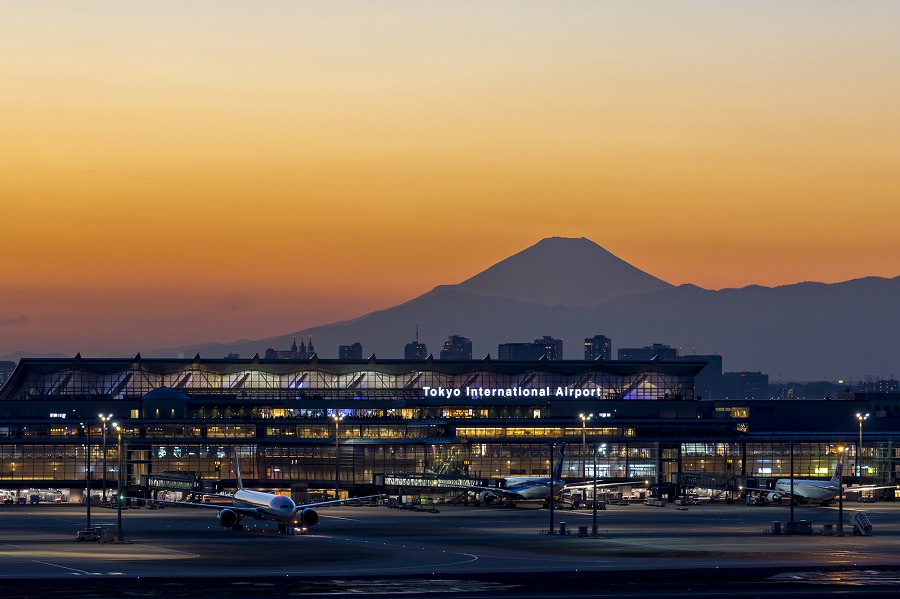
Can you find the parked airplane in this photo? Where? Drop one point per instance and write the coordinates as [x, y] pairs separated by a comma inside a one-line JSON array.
[[291, 518], [513, 488], [535, 488], [817, 491]]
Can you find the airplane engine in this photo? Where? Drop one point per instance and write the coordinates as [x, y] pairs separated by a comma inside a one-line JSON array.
[[308, 517], [227, 518], [487, 497], [773, 497]]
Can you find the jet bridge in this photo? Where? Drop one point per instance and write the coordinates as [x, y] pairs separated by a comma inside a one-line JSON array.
[[710, 483]]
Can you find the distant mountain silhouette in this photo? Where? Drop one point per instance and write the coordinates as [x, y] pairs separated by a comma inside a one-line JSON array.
[[573, 289], [562, 272]]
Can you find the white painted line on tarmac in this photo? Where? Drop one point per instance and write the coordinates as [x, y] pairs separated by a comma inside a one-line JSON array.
[[73, 570], [165, 550]]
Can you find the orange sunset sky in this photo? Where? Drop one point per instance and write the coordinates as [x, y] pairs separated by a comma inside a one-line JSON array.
[[173, 173]]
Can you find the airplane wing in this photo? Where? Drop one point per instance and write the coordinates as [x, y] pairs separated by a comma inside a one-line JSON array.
[[870, 487], [236, 507], [761, 489], [786, 493], [497, 491], [339, 501], [767, 490], [240, 508], [605, 485]]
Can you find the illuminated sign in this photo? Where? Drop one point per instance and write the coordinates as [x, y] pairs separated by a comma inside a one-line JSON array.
[[479, 392], [164, 482], [411, 480]]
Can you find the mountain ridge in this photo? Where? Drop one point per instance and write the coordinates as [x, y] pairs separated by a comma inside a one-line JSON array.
[[573, 272], [806, 331]]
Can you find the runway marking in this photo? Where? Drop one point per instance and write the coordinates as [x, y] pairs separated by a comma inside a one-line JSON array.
[[166, 550], [74, 570], [473, 558]]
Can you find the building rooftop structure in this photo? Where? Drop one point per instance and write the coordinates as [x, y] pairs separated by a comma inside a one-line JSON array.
[[184, 417]]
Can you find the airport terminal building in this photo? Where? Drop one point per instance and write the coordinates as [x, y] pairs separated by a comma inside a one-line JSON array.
[[345, 425]]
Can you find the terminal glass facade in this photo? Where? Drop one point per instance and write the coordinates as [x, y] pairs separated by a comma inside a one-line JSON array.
[[185, 418]]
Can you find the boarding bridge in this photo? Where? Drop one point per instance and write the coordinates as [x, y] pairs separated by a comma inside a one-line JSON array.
[[428, 481], [705, 480]]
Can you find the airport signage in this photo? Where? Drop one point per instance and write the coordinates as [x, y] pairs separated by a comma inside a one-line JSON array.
[[481, 392], [167, 482], [436, 482]]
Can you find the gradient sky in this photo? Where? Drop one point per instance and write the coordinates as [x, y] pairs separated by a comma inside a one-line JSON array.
[[179, 172]]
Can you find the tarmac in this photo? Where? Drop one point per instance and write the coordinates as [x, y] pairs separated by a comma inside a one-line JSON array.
[[461, 551]]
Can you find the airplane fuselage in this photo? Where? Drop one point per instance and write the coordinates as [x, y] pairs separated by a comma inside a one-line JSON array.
[[529, 487], [812, 490], [276, 507]]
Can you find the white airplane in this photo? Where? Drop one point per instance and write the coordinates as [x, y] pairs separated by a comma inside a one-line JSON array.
[[524, 488], [536, 488], [814, 491], [291, 518]]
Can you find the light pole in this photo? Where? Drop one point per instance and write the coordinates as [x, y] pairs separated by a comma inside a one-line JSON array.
[[594, 528], [584, 420], [87, 475], [104, 418], [841, 492], [861, 418], [792, 481], [552, 499], [337, 452], [119, 485]]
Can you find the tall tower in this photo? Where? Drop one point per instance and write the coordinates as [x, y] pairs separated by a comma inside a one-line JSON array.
[[415, 350]]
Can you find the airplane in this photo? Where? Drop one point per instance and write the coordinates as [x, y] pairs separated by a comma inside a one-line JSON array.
[[526, 487], [814, 491], [258, 505], [535, 488]]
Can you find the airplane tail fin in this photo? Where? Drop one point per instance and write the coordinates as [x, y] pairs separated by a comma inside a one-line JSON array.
[[237, 469], [838, 471], [557, 469]]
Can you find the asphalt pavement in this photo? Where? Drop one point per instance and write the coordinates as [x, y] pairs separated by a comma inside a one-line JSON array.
[[721, 549]]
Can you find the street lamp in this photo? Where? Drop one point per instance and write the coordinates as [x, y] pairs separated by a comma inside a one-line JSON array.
[[584, 420], [594, 528], [119, 486], [337, 455], [841, 492], [552, 500], [104, 418], [860, 417], [87, 474]]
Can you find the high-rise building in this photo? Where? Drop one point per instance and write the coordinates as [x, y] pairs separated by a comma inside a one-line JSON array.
[[657, 351], [746, 385], [878, 386], [553, 348], [598, 347], [415, 350], [301, 352], [6, 369], [457, 347], [708, 383], [350, 352], [527, 352]]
